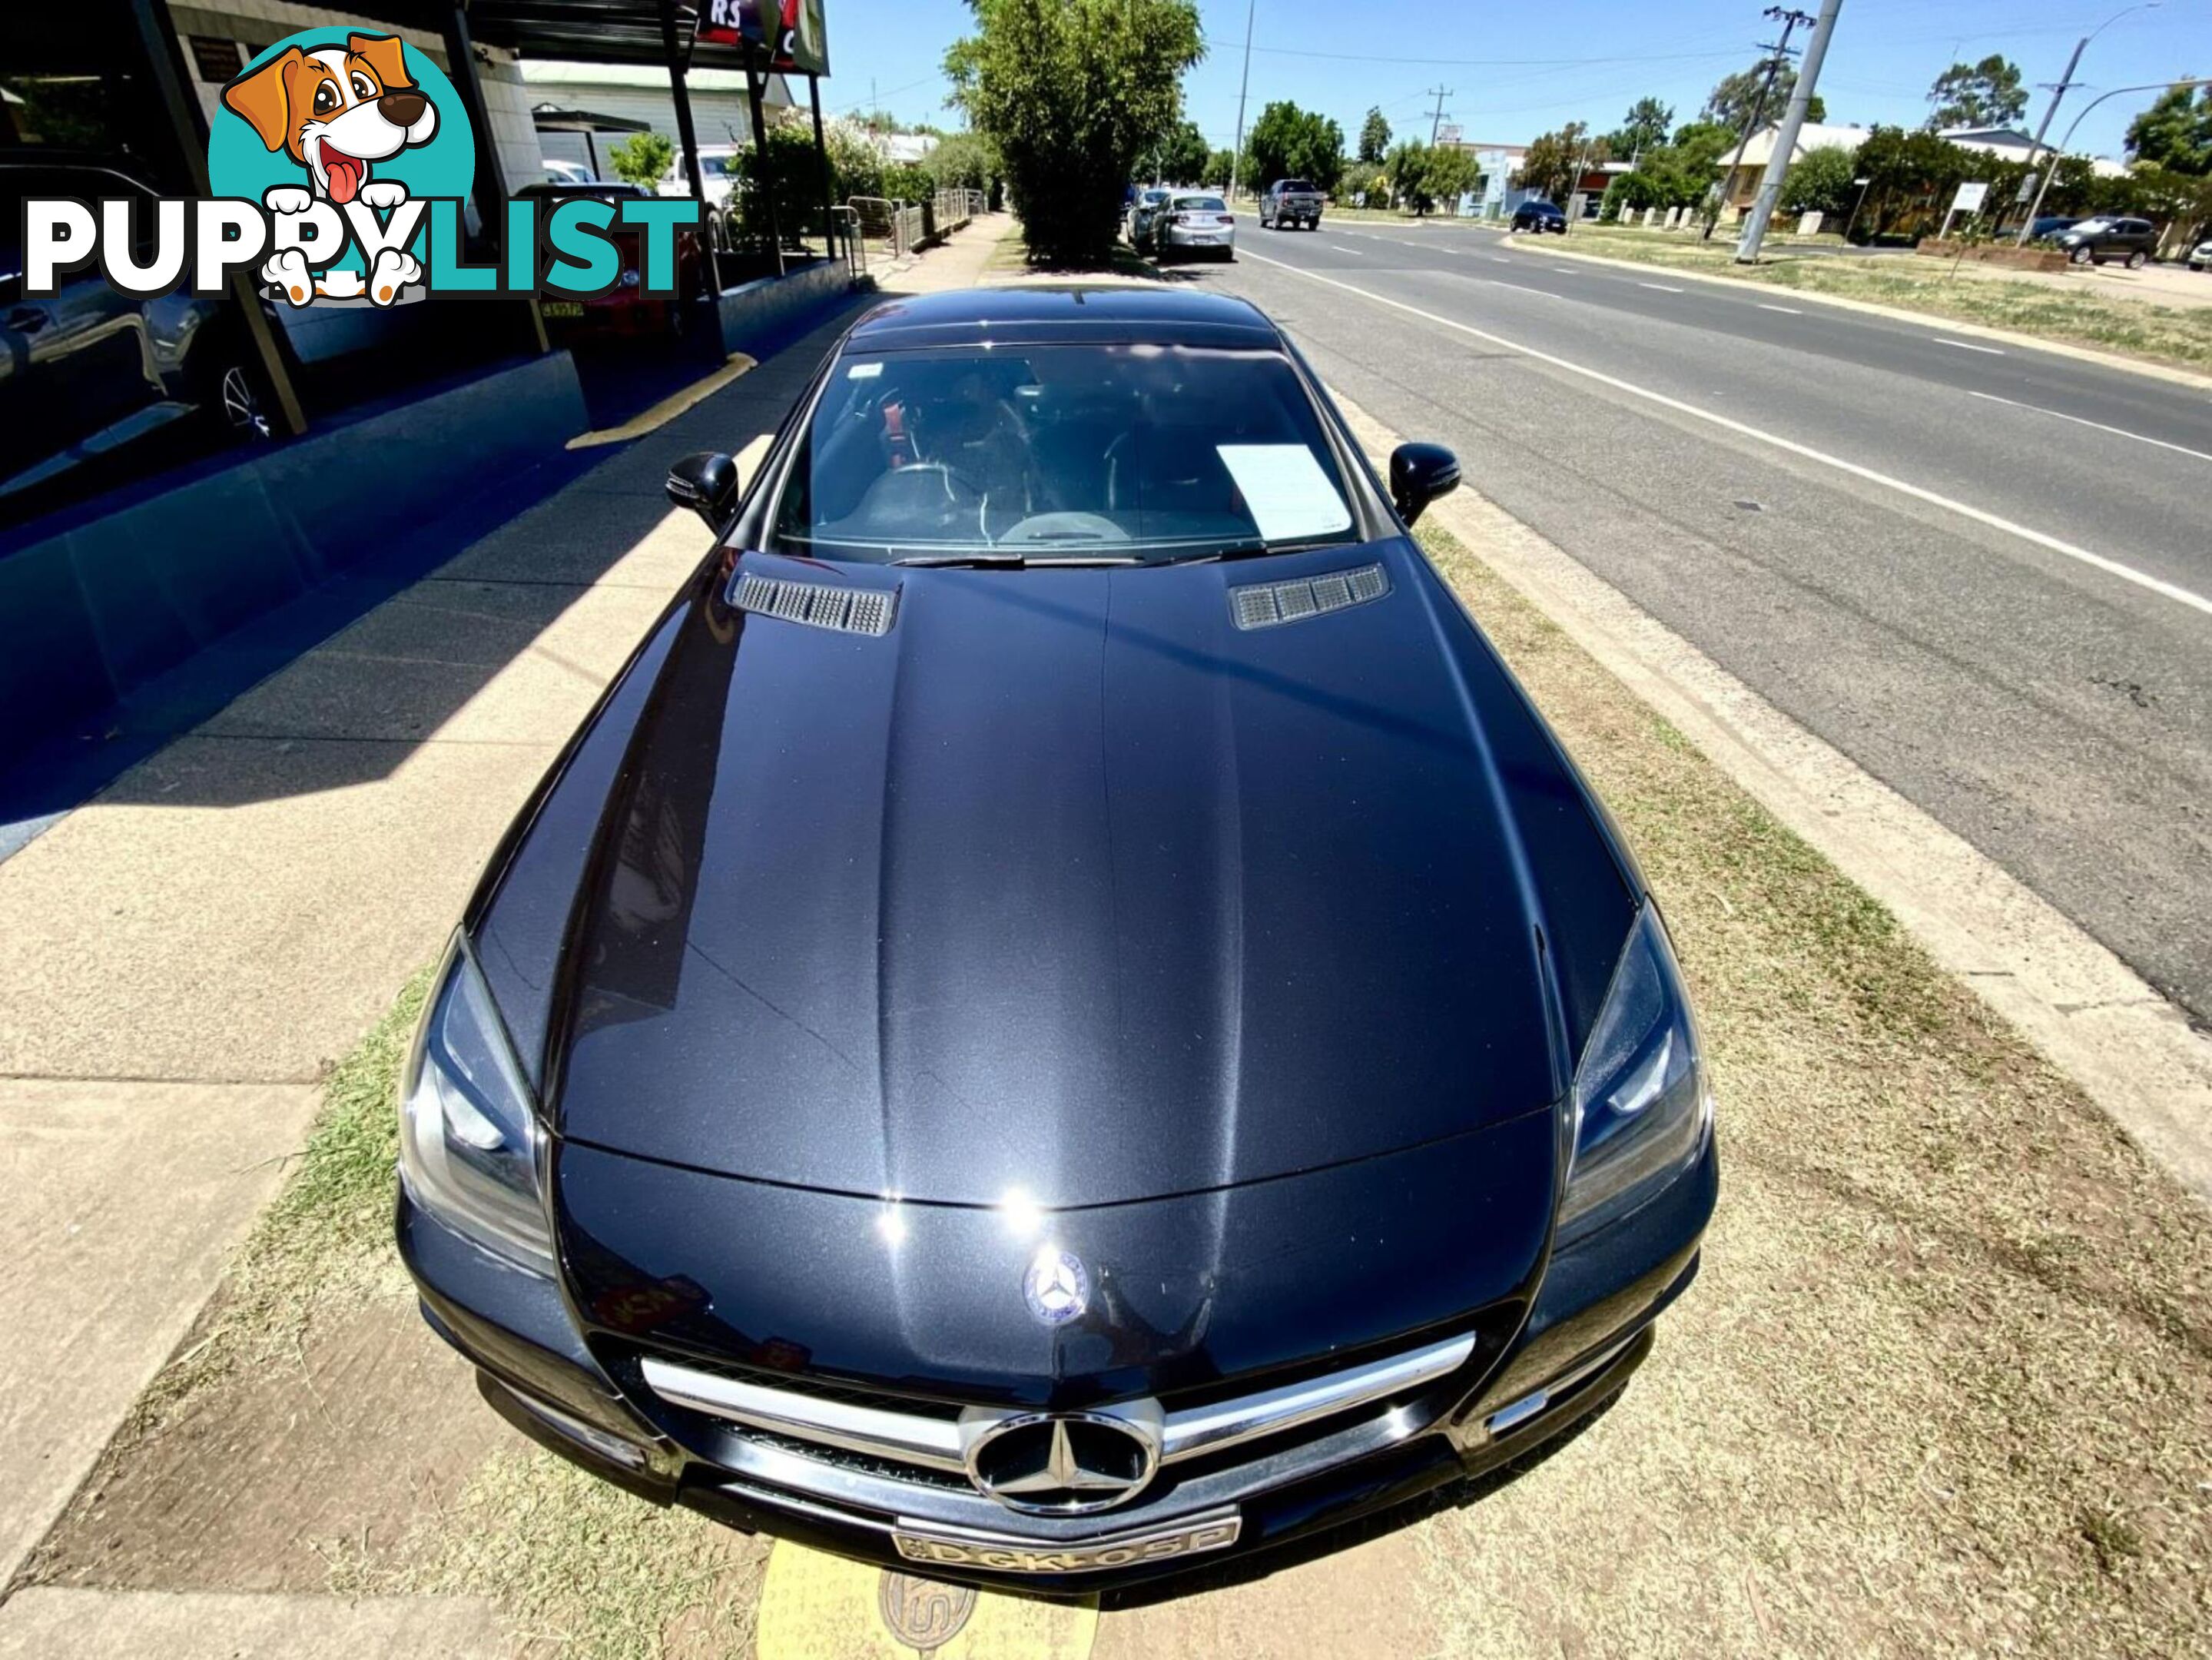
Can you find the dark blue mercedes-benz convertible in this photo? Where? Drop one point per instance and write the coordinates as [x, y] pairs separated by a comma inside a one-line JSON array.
[[1065, 1018]]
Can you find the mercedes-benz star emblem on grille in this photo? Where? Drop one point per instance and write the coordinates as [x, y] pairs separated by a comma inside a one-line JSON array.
[[1057, 1286], [1065, 1464]]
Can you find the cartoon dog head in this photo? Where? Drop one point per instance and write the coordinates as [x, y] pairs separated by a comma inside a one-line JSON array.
[[335, 110]]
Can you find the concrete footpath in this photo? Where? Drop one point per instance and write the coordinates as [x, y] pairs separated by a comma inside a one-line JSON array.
[[181, 957]]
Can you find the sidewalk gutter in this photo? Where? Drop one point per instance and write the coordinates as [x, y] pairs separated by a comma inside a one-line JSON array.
[[2130, 1051], [2179, 377]]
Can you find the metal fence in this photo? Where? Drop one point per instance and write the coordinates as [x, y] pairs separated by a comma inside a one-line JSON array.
[[906, 226]]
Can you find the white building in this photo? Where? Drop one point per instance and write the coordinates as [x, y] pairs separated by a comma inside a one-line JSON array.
[[632, 92], [2009, 144]]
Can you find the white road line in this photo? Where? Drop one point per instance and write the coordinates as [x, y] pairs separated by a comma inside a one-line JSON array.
[[2096, 561], [1662, 287], [1341, 248], [1520, 288], [1499, 259], [1787, 311], [1967, 345], [2116, 432]]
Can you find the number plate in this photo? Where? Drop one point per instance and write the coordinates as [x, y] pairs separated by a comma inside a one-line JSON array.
[[951, 1547], [560, 307]]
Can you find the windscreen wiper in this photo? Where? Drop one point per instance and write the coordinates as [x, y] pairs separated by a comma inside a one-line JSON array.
[[1257, 548], [995, 559]]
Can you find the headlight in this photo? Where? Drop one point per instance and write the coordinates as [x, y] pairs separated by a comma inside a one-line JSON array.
[[1638, 1110], [468, 1133]]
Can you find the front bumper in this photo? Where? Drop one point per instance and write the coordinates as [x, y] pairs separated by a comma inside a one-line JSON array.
[[1590, 1328]]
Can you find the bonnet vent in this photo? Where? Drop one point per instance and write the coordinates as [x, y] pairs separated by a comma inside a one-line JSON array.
[[1266, 605], [849, 610]]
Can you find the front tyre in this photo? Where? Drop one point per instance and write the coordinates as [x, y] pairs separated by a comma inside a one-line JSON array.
[[2137, 260], [2081, 257]]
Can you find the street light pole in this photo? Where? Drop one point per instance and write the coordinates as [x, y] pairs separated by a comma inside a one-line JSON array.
[[1236, 155], [2066, 144], [2065, 85]]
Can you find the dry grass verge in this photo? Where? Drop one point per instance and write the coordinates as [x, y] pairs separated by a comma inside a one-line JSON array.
[[2178, 336], [1945, 1385]]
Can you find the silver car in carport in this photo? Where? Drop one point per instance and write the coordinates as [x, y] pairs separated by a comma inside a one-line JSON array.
[[1195, 222]]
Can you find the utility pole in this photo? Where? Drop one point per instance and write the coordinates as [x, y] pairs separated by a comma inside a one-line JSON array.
[[1785, 139], [1778, 55], [1236, 155], [1437, 122]]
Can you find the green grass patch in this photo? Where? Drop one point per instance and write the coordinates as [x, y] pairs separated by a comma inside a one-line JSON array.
[[2179, 336], [327, 1236]]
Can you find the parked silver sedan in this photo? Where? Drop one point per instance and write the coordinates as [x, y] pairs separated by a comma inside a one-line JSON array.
[[1197, 224]]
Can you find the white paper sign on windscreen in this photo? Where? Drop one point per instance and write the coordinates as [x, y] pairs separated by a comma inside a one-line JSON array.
[[1289, 496]]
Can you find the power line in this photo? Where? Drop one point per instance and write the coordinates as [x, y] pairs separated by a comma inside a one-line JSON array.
[[1436, 120], [1499, 63]]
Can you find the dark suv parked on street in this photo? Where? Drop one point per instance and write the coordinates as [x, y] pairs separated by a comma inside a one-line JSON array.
[[2093, 241]]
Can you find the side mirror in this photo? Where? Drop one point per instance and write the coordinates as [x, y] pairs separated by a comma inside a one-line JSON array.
[[707, 485], [1420, 473]]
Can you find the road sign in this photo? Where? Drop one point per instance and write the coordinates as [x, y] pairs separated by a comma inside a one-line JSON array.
[[1969, 199]]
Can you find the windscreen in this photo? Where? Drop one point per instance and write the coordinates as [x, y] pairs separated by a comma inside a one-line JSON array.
[[1149, 452]]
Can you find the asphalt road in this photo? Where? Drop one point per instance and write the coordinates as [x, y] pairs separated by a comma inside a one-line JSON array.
[[1984, 573]]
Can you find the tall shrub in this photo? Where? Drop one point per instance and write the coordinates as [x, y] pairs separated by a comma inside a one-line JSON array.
[[1072, 92]]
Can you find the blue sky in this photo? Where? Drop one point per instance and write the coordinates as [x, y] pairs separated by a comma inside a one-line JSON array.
[[1525, 69]]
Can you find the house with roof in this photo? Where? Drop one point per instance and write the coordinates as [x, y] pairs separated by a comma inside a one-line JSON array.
[[1741, 174]]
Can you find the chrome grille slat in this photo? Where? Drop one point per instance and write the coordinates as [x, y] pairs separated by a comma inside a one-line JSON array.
[[937, 1444]]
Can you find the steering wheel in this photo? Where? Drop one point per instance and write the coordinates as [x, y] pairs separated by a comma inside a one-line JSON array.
[[926, 497]]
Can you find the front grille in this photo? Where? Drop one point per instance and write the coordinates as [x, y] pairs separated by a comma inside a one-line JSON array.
[[831, 1440]]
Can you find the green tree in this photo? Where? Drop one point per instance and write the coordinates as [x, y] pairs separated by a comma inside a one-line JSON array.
[[1363, 182], [1549, 168], [643, 159], [1733, 96], [856, 167], [1910, 176], [1180, 158], [1820, 181], [1985, 95], [1422, 176], [962, 160], [2175, 132], [1219, 166], [1451, 174], [1374, 138], [1290, 142], [1072, 92], [793, 174], [1644, 127]]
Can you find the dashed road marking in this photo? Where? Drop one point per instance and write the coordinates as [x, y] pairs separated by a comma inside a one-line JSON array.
[[1662, 287], [1967, 345], [1787, 311]]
